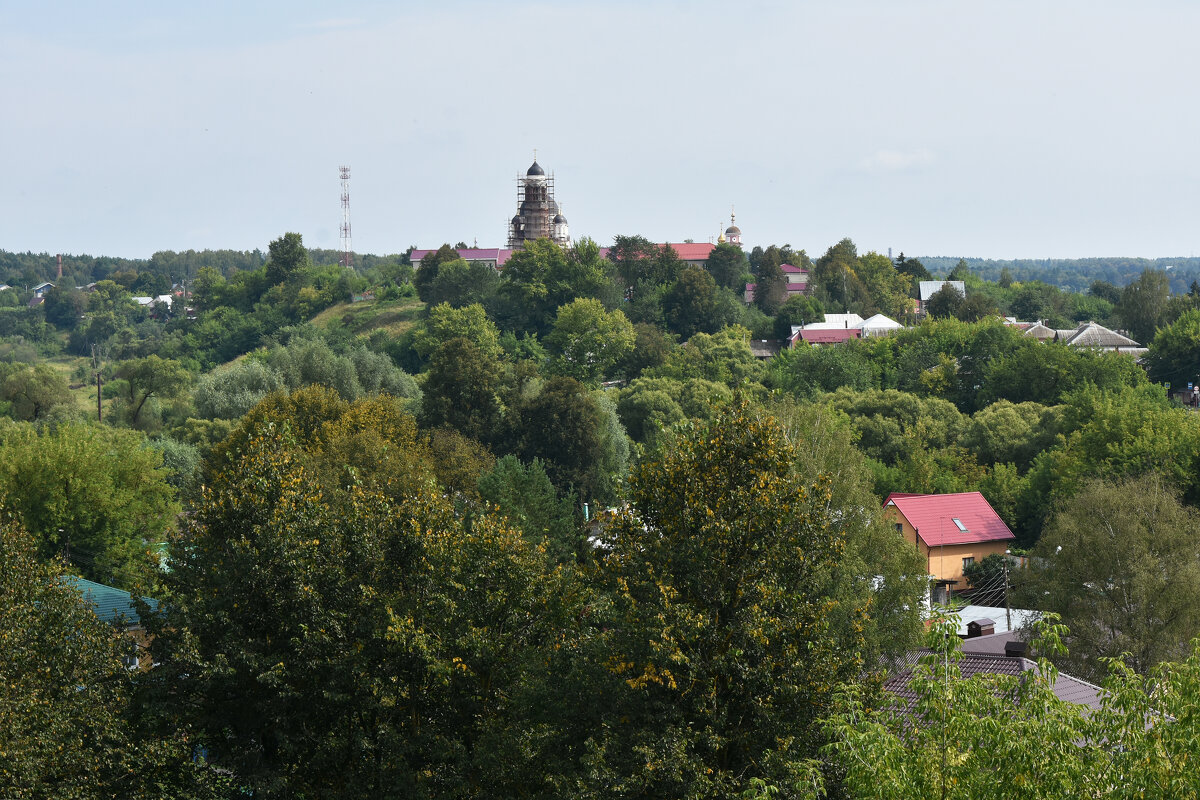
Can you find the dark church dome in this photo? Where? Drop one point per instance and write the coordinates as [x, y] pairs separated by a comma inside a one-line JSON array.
[[536, 170]]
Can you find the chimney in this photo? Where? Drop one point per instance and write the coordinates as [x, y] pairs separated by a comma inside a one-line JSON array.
[[1015, 649], [980, 627]]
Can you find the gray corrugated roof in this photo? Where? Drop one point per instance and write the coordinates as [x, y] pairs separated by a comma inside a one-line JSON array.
[[1089, 334], [929, 288]]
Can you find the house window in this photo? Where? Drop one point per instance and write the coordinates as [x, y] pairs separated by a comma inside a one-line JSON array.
[[958, 522], [968, 561], [899, 527]]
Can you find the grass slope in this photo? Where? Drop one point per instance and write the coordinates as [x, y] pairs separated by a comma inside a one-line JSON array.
[[393, 316]]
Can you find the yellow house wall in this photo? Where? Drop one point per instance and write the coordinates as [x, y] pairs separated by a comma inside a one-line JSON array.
[[945, 563]]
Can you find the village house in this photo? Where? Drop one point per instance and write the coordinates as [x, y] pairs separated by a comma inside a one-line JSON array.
[[927, 289], [951, 531]]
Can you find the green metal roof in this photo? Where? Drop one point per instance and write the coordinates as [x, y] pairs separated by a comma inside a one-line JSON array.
[[111, 604]]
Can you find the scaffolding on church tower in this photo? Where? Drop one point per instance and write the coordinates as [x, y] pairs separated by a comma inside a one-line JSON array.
[[536, 208]]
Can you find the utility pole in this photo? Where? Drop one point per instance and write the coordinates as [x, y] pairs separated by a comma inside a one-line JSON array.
[[96, 367], [1007, 608]]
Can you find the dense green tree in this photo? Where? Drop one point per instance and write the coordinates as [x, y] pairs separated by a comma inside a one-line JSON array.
[[524, 495], [1112, 434], [961, 271], [458, 462], [64, 306], [893, 425], [641, 263], [32, 391], [824, 450], [798, 310], [587, 342], [306, 361], [807, 370], [977, 306], [446, 322], [1143, 304], [913, 268], [649, 406], [834, 277], [460, 283], [770, 284], [724, 357], [1047, 373], [543, 276], [150, 377], [230, 392], [1004, 432], [1118, 563], [465, 389], [66, 728], [887, 289], [341, 642], [723, 656], [651, 348], [947, 358], [1038, 301], [430, 268], [286, 258], [691, 304], [1105, 291], [728, 266], [566, 427], [96, 494], [1174, 356]]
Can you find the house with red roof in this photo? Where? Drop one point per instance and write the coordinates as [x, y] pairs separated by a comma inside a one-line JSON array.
[[952, 531]]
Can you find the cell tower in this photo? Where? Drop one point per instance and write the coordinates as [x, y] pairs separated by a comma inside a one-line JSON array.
[[347, 254]]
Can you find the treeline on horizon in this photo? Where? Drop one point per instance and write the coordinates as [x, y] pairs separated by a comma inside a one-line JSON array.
[[1071, 274]]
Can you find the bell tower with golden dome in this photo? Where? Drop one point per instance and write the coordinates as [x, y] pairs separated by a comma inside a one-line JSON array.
[[733, 234]]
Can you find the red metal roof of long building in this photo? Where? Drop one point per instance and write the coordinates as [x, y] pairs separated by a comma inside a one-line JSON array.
[[934, 518], [692, 251], [497, 254]]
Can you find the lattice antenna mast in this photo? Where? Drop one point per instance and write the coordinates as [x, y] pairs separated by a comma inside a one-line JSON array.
[[347, 248]]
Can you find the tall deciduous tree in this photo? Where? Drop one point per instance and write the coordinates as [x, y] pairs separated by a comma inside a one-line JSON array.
[[587, 341], [722, 655], [95, 493], [339, 642], [287, 257], [1144, 304], [1119, 563], [1174, 355], [34, 390], [728, 266], [151, 377], [691, 304], [65, 725]]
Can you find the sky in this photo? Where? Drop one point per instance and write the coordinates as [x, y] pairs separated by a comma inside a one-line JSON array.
[[986, 129]]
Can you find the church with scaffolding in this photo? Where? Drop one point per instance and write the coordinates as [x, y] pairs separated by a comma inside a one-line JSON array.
[[538, 214]]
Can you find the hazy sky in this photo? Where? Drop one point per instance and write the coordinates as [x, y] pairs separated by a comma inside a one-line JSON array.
[[993, 129]]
